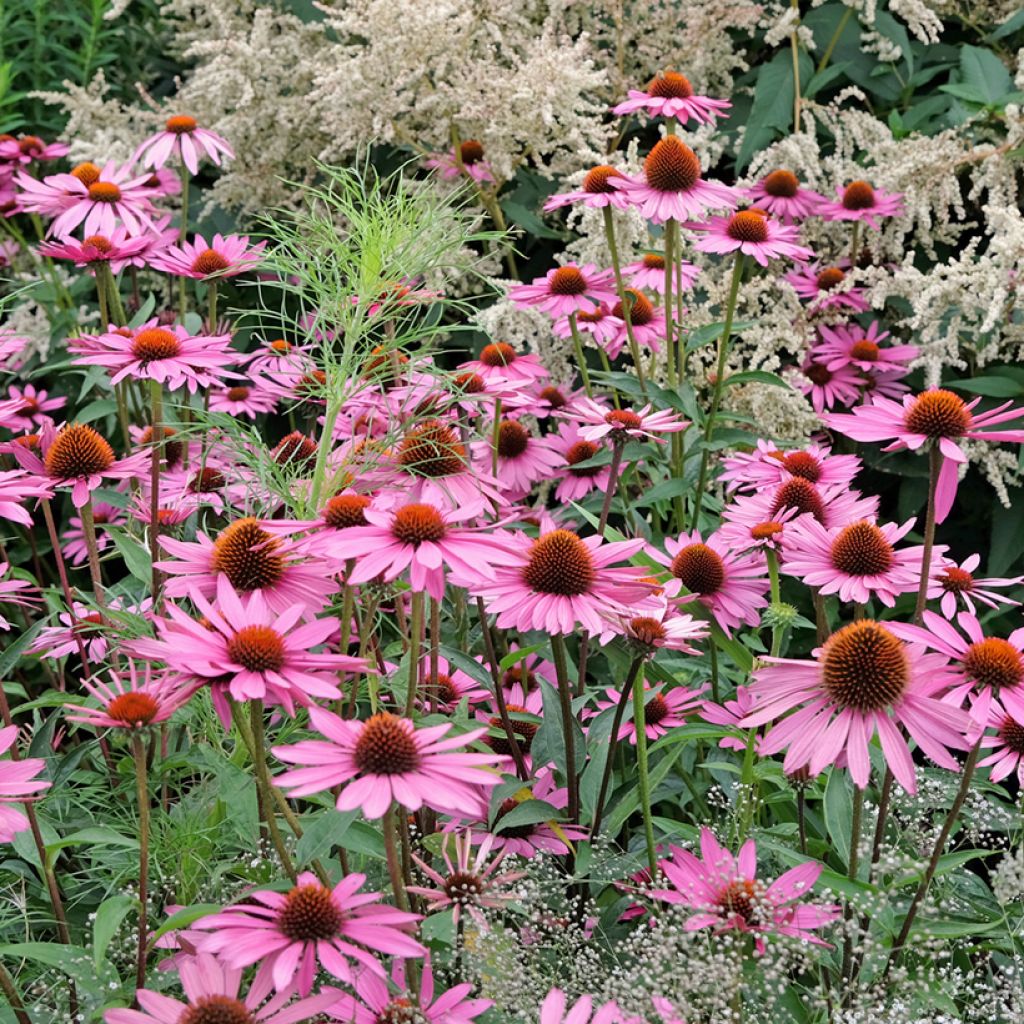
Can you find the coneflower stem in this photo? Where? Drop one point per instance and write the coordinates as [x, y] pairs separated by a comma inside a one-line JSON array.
[[613, 742], [613, 249], [89, 532], [495, 436], [719, 383], [776, 596], [415, 639], [142, 790], [671, 232], [581, 358], [940, 844], [211, 294], [934, 468], [499, 694], [156, 398], [801, 818], [389, 829], [569, 737], [853, 865], [643, 778], [855, 245], [794, 44], [613, 479], [8, 988], [435, 653]]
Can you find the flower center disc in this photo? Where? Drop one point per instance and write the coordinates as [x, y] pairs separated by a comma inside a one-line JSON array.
[[246, 554], [864, 667], [747, 226], [623, 419], [803, 465], [647, 631], [861, 549], [523, 731], [597, 179], [800, 494], [740, 897], [994, 662], [447, 695], [86, 173], [100, 243], [133, 708], [345, 510], [858, 195], [257, 649], [431, 449], [386, 747], [956, 581], [471, 152], [864, 350], [181, 124], [207, 480], [766, 531], [1011, 732], [938, 413], [567, 281], [463, 887], [554, 397], [829, 278], [498, 354], [513, 439], [217, 1010], [104, 192], [781, 184], [559, 563], [415, 524], [309, 914], [470, 383], [155, 343], [700, 569], [670, 85], [582, 451], [294, 449], [641, 311], [655, 710], [209, 261], [77, 451], [671, 166], [653, 261]]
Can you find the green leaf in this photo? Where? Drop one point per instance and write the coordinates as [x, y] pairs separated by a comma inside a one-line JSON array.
[[838, 813], [549, 743], [96, 836], [325, 830], [755, 377], [183, 918], [135, 556], [985, 72], [516, 656], [109, 915], [991, 387], [631, 801], [772, 112], [13, 651], [529, 812], [1011, 25]]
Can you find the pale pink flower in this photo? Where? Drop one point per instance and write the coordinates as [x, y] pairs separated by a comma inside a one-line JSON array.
[[553, 1011], [33, 406], [664, 709], [1007, 744], [17, 486], [670, 94], [860, 201], [768, 466], [597, 422], [782, 195], [832, 505], [500, 359], [118, 250], [828, 388], [223, 256], [26, 148], [567, 289], [388, 760], [249, 400], [864, 680], [827, 287], [182, 137], [471, 157], [935, 416], [727, 894], [577, 477], [852, 345], [18, 783], [649, 272], [598, 322], [596, 191], [523, 458], [647, 322], [751, 233], [730, 713], [656, 629], [951, 583], [291, 935]]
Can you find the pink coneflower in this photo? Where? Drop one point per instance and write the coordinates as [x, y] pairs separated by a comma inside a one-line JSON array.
[[730, 713], [83, 623], [599, 322], [597, 422], [656, 630], [670, 94], [1007, 744], [387, 760], [32, 406], [834, 505], [567, 289], [727, 894], [290, 935], [523, 458], [828, 388], [453, 687], [730, 585], [470, 883], [664, 709], [857, 561], [862, 202], [276, 355], [936, 416], [112, 196], [951, 583], [242, 400], [671, 186], [75, 547], [549, 400], [982, 667], [752, 233], [500, 359], [553, 1011], [213, 991], [596, 191], [563, 581], [782, 195], [250, 651], [768, 466], [422, 540], [182, 137], [647, 322], [224, 256], [118, 250], [852, 345], [826, 288], [169, 355], [252, 560], [578, 478], [649, 272], [18, 783], [883, 385], [471, 157], [132, 701], [863, 680], [78, 457], [28, 148], [374, 1002], [17, 486]]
